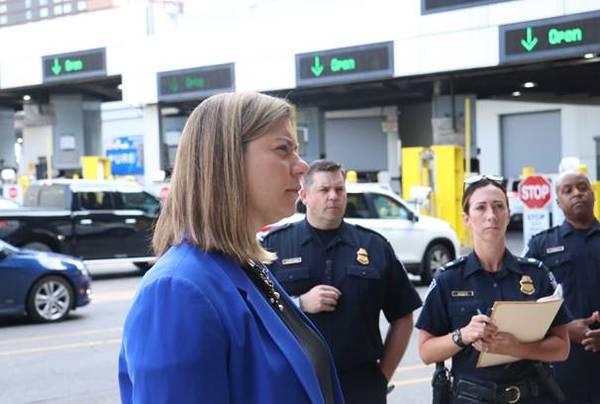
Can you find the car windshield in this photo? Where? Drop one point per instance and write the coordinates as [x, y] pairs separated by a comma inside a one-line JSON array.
[[388, 208]]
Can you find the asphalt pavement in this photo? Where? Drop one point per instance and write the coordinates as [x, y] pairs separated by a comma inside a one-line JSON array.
[[75, 361]]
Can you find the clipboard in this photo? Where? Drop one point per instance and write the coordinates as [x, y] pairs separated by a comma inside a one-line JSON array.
[[527, 321]]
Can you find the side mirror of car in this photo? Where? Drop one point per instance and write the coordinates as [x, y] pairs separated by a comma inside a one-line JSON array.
[[413, 217]]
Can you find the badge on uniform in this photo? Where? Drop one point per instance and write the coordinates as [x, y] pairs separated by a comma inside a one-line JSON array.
[[362, 256], [552, 250], [290, 261], [527, 285]]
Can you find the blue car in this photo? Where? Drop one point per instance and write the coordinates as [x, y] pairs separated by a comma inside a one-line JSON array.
[[45, 286]]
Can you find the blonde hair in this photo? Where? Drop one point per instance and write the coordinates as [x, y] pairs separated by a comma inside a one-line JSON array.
[[206, 205]]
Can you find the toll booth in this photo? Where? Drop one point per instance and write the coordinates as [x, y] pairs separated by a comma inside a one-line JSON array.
[[95, 168], [441, 168]]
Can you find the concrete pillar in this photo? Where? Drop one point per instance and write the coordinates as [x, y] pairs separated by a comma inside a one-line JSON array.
[[76, 131], [313, 119], [37, 136], [7, 138], [446, 129], [171, 129], [68, 143], [92, 127], [390, 127], [152, 143]]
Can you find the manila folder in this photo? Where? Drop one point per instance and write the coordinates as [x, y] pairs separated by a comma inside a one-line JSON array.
[[527, 321]]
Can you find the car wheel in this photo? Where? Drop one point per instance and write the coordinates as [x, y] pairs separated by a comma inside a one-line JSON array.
[[436, 256], [37, 246], [50, 299]]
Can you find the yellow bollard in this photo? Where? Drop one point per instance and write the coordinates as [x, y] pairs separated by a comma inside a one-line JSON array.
[[351, 176], [95, 167], [596, 189], [449, 182], [527, 171]]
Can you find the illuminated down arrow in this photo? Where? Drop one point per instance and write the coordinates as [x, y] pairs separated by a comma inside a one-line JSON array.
[[56, 68], [530, 42], [317, 67]]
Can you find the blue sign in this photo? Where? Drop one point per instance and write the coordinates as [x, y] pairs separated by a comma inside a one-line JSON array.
[[125, 158], [125, 161]]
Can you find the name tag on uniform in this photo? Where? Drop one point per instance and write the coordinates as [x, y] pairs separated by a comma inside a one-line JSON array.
[[463, 293], [290, 261], [556, 249]]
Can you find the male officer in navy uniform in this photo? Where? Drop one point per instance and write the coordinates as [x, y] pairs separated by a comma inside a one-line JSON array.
[[572, 252], [342, 277]]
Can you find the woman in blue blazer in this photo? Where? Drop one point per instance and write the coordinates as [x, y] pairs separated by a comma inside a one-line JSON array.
[[209, 324]]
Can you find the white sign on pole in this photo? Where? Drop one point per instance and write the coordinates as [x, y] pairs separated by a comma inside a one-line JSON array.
[[534, 221], [13, 192]]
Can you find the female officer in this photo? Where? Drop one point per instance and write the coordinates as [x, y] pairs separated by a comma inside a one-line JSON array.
[[209, 324], [451, 324]]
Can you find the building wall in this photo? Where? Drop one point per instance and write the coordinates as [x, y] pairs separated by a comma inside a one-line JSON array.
[[579, 125], [257, 37], [120, 120]]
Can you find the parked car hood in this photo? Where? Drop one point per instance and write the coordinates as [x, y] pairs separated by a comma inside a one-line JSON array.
[[48, 260]]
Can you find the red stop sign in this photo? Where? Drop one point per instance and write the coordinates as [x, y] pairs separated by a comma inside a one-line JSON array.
[[535, 192], [13, 192], [163, 193]]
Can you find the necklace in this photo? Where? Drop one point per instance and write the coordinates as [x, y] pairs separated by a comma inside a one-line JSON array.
[[260, 270]]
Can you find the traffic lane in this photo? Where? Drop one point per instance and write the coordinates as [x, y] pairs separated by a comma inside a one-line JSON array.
[[412, 379], [76, 360], [73, 361]]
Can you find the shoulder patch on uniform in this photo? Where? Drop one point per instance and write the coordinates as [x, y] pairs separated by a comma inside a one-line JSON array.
[[454, 263]]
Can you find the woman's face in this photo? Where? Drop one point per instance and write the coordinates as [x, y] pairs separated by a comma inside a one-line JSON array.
[[488, 214], [273, 170]]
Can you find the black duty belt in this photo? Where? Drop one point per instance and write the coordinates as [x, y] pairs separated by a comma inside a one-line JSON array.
[[497, 393]]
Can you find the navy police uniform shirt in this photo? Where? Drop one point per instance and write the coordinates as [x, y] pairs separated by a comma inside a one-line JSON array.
[[462, 287], [362, 265], [574, 258]]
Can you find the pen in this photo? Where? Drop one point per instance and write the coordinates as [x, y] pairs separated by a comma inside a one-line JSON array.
[[479, 312]]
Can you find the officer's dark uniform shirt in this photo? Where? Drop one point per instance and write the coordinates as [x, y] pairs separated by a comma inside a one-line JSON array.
[[462, 287], [362, 265], [574, 258]]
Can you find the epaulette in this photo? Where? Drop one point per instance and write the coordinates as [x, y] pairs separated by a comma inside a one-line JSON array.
[[366, 229], [454, 263], [530, 261], [279, 229], [546, 231], [374, 232]]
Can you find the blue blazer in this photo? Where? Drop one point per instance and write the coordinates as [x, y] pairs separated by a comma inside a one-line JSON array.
[[199, 331]]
